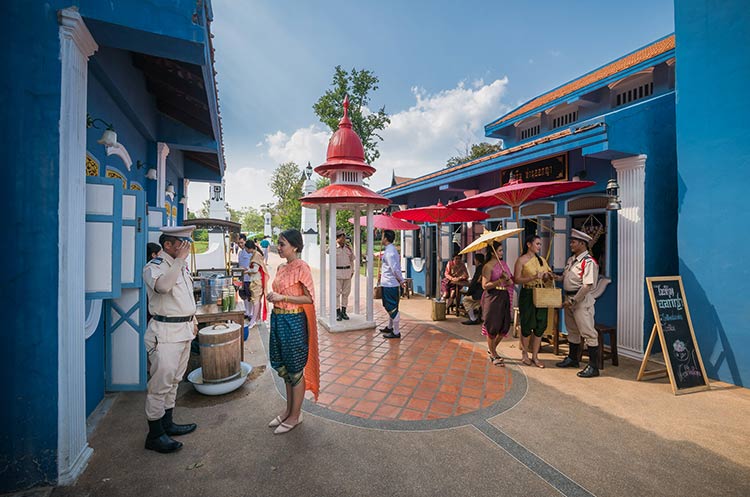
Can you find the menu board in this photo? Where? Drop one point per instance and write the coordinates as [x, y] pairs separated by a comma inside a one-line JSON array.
[[675, 329]]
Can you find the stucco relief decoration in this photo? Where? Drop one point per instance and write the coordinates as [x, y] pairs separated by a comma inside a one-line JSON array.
[[174, 211], [168, 208], [92, 166], [135, 186], [121, 152], [114, 173], [593, 228]]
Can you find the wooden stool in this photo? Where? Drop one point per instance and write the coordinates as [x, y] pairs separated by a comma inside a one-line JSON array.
[[611, 332], [409, 290]]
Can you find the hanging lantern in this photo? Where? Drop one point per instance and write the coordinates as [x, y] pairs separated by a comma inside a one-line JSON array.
[[613, 192]]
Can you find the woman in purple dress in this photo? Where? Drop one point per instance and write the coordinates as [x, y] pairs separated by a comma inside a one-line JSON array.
[[497, 281]]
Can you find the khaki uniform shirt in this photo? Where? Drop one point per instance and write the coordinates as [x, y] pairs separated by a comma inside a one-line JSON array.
[[178, 302], [344, 259], [580, 270]]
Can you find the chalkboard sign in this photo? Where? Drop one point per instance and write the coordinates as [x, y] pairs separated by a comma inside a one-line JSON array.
[[675, 330]]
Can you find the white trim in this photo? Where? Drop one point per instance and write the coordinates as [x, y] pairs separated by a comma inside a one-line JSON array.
[[76, 46], [120, 151], [162, 151], [631, 266], [92, 318]]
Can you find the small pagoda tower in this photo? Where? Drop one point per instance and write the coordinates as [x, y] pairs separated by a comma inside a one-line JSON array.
[[345, 166]]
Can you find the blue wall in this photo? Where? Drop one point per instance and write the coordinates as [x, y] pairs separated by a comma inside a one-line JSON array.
[[648, 128], [29, 189], [714, 172]]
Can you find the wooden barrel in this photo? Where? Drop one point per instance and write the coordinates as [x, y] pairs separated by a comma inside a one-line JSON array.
[[220, 352]]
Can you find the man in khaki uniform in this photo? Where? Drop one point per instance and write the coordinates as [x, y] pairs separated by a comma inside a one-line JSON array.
[[344, 273], [170, 331], [579, 279]]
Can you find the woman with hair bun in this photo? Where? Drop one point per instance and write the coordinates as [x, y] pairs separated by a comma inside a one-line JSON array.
[[293, 342]]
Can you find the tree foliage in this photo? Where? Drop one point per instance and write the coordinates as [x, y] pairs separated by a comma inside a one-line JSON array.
[[476, 151], [286, 185], [358, 85]]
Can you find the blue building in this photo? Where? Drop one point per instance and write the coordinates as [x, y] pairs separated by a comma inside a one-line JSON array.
[[713, 154], [617, 122], [110, 109]]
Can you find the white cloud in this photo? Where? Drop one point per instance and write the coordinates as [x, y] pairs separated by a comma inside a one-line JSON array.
[[438, 126], [419, 140]]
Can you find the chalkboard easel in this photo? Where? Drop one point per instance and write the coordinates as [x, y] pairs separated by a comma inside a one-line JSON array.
[[676, 335]]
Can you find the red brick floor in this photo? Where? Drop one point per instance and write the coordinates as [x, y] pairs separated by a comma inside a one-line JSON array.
[[428, 374]]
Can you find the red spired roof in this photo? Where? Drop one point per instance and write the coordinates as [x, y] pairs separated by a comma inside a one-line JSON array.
[[344, 194], [345, 150]]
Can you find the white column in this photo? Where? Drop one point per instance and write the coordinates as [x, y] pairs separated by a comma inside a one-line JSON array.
[[332, 264], [76, 46], [370, 249], [357, 250], [162, 151], [323, 248], [631, 176]]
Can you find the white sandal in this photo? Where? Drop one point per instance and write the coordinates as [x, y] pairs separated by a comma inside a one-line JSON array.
[[285, 428], [275, 422]]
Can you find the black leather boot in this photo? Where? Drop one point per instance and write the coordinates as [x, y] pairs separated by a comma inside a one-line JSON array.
[[172, 429], [572, 360], [158, 440], [343, 313], [592, 369]]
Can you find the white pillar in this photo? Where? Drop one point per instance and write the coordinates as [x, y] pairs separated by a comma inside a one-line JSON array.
[[357, 241], [162, 151], [332, 264], [323, 248], [631, 176], [76, 46], [369, 310]]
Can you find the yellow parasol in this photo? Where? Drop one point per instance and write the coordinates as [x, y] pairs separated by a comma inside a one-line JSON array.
[[488, 237]]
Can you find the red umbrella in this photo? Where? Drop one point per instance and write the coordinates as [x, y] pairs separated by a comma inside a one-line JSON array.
[[516, 192], [385, 222], [440, 214]]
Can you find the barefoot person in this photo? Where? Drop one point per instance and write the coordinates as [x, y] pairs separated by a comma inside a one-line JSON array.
[[497, 282], [293, 342], [531, 271]]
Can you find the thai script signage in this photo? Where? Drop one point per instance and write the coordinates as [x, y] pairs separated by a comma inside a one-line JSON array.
[[548, 169], [676, 335]]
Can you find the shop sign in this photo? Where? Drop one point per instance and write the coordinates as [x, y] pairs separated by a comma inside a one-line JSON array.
[[548, 169]]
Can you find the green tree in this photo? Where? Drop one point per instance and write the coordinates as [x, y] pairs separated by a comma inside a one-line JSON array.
[[203, 211], [476, 151], [251, 220], [367, 124], [286, 185]]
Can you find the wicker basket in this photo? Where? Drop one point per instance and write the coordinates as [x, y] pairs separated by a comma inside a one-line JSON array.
[[547, 297]]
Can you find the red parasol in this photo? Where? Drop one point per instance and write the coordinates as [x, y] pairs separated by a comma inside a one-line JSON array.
[[440, 214], [516, 192], [385, 222]]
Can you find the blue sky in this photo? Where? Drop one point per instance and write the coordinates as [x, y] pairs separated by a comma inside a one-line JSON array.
[[446, 68]]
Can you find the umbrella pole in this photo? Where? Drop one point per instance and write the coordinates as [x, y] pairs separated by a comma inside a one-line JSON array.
[[439, 264]]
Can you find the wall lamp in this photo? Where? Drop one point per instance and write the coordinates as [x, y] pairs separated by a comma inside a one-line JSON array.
[[109, 137], [308, 170], [150, 172], [613, 192], [170, 191], [184, 200]]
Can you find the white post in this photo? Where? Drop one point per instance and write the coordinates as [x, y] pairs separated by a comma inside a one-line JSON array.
[[357, 241], [323, 248], [76, 46], [162, 151], [631, 175], [332, 271], [370, 250]]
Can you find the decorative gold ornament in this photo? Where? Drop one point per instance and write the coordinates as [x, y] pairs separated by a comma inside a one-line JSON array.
[[92, 166], [113, 173]]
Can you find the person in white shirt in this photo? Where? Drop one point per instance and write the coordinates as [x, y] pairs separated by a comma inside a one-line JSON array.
[[391, 281]]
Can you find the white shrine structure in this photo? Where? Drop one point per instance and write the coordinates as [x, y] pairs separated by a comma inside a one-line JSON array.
[[345, 166]]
